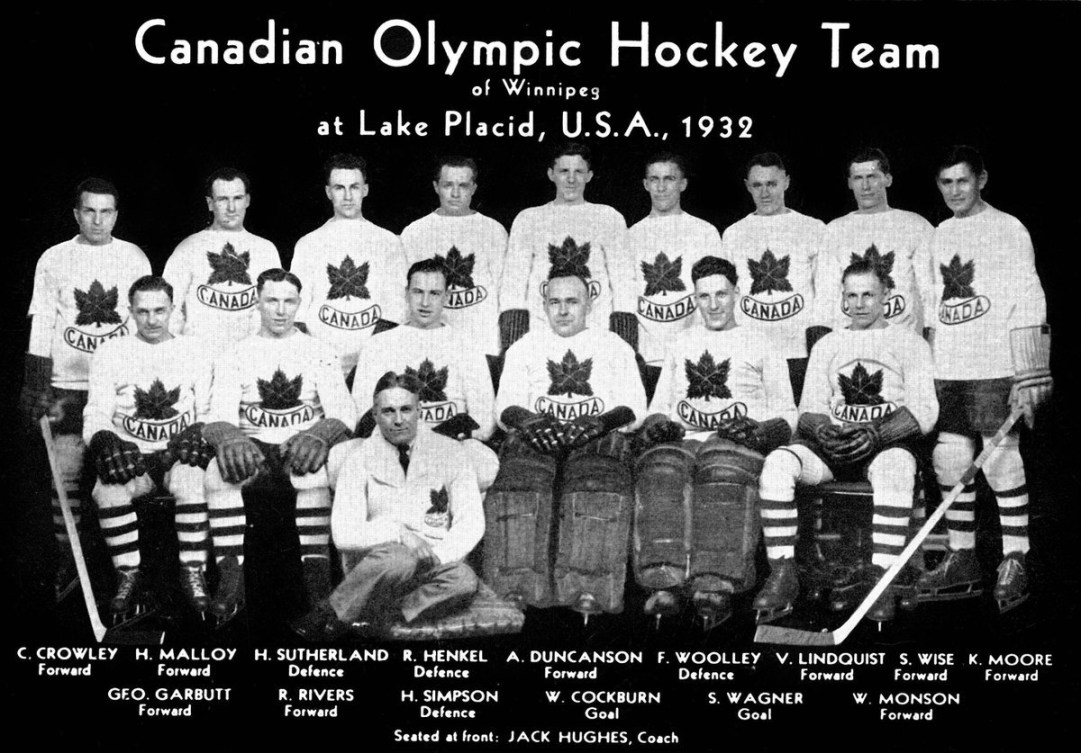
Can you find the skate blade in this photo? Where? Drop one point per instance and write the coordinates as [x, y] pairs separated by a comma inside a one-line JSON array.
[[126, 618], [1006, 605], [711, 621], [67, 590], [950, 595], [764, 616], [224, 619]]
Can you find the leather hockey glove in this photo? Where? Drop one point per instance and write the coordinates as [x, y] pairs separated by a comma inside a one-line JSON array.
[[585, 429], [513, 323], [539, 430], [1032, 383], [36, 397], [117, 461], [821, 433], [864, 440], [626, 326], [306, 451], [189, 447], [460, 426], [657, 429], [239, 458], [761, 436]]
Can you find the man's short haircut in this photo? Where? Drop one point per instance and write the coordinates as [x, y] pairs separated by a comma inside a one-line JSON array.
[[672, 157], [962, 153], [426, 265], [98, 186], [556, 274], [392, 379], [227, 174], [456, 160], [277, 275], [572, 149], [868, 154], [765, 159], [708, 266], [343, 161], [148, 283], [865, 267]]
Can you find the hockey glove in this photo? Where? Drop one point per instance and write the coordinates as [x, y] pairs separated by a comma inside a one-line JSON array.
[[239, 458], [761, 436], [513, 323], [821, 433], [460, 426], [857, 442], [117, 461], [626, 326], [539, 430], [585, 429], [657, 429], [189, 447], [306, 451], [36, 397], [1031, 350]]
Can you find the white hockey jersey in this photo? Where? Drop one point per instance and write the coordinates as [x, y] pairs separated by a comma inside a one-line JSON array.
[[147, 393], [81, 298], [665, 248], [472, 247]]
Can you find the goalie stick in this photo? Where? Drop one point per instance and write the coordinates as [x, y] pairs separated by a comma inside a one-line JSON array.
[[101, 633], [796, 637]]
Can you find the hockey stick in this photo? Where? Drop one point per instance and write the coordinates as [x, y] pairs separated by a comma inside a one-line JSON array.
[[796, 637], [100, 631]]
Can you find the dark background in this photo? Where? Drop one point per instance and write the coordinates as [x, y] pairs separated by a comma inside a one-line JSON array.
[[82, 103]]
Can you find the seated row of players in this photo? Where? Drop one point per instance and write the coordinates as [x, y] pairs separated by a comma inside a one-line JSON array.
[[70, 317]]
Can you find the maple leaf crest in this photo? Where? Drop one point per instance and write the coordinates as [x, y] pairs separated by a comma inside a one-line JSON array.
[[96, 305], [229, 266], [570, 377], [281, 392], [861, 388], [433, 381], [770, 274], [707, 379], [569, 259], [459, 269], [439, 500], [883, 264], [348, 280], [957, 278], [663, 275], [156, 403]]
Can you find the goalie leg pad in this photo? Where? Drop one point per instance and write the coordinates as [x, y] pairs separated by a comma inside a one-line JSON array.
[[518, 520], [724, 521], [662, 515], [594, 525]]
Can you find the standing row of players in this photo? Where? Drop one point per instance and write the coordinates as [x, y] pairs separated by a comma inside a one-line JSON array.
[[986, 355]]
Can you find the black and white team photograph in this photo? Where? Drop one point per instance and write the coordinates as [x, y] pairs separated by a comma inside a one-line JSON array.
[[446, 380]]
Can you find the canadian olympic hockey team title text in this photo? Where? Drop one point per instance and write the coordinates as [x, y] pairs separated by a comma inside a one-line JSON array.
[[398, 43]]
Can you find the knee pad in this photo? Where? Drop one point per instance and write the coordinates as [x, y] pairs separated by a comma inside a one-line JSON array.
[[316, 480], [1005, 469], [952, 456], [70, 457], [662, 515], [724, 519], [594, 527], [893, 471], [213, 481], [108, 496], [186, 482], [780, 471], [518, 520]]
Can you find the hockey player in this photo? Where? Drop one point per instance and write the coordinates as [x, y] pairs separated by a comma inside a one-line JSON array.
[[868, 397], [406, 515], [149, 395], [569, 235], [899, 242], [722, 402], [213, 271], [75, 307], [470, 245], [666, 244], [456, 396], [352, 269], [991, 353], [565, 392], [779, 247], [278, 408]]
